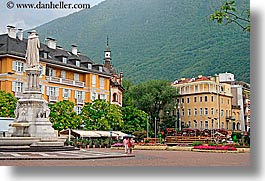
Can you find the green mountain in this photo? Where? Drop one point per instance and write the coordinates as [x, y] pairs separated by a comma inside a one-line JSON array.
[[154, 39]]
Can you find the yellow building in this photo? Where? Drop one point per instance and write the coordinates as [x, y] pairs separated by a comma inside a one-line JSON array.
[[65, 75], [204, 103]]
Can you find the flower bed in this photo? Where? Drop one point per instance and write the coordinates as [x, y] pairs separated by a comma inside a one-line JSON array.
[[227, 148], [183, 147], [151, 144]]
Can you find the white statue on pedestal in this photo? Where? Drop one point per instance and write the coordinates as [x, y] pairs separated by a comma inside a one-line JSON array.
[[32, 53]]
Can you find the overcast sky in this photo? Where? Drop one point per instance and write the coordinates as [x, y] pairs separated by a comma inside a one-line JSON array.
[[29, 18]]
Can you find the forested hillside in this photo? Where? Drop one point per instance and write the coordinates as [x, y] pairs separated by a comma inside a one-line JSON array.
[[154, 39]]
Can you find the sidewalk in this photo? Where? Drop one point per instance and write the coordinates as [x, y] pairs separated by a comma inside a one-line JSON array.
[[62, 155]]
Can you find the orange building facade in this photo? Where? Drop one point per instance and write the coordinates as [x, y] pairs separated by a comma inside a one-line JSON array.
[[65, 75]]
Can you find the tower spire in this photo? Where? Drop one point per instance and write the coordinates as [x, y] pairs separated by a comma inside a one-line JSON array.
[[108, 48]]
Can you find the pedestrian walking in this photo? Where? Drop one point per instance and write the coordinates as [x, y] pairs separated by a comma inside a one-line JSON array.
[[130, 145], [125, 143]]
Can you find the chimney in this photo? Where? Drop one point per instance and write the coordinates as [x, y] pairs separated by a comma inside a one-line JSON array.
[[11, 31], [20, 34], [74, 49], [121, 75], [51, 43]]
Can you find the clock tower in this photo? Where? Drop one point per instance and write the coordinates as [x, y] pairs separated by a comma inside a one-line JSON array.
[[107, 59]]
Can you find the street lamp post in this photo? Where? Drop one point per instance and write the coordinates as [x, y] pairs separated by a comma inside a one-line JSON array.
[[178, 116], [155, 129]]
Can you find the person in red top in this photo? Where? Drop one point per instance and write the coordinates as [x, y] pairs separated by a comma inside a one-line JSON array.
[[130, 145]]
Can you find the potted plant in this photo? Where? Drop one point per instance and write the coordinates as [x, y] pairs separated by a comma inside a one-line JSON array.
[[96, 143], [90, 143]]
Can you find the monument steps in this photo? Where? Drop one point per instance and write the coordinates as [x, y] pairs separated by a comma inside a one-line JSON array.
[[36, 148]]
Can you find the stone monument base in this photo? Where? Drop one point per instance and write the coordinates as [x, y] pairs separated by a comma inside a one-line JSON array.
[[32, 144]]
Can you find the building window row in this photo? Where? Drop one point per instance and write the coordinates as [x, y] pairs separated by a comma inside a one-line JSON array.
[[205, 111], [204, 124], [53, 93], [201, 99]]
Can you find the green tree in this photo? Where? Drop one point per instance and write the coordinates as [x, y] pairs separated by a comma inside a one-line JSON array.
[[126, 97], [62, 116], [101, 115], [134, 119], [154, 96], [7, 104], [228, 14]]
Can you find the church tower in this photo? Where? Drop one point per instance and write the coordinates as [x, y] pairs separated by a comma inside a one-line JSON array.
[[107, 59]]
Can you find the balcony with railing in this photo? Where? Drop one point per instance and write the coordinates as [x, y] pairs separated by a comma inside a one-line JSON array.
[[80, 101], [59, 80], [53, 98], [235, 106], [232, 118]]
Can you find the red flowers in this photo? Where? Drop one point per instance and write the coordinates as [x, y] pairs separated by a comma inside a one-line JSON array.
[[229, 148]]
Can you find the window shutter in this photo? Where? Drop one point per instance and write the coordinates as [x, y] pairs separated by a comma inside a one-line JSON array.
[[63, 90], [23, 87], [76, 77], [47, 91], [53, 73], [42, 89], [14, 65], [75, 108], [14, 86], [63, 74], [75, 94], [56, 92], [69, 93], [43, 70], [24, 67], [83, 95]]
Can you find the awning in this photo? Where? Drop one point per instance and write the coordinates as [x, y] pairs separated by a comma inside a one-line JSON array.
[[121, 134], [81, 133], [93, 134], [106, 133]]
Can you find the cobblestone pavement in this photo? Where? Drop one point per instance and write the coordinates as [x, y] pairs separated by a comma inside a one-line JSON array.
[[142, 158]]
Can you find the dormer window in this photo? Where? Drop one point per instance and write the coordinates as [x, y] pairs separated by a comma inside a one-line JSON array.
[[77, 63], [100, 69], [64, 60], [89, 66], [45, 55]]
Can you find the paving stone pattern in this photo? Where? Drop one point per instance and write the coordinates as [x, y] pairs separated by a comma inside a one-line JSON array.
[[60, 155]]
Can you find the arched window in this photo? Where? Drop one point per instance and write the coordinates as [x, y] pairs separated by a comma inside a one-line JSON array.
[[189, 124], [234, 126], [238, 126]]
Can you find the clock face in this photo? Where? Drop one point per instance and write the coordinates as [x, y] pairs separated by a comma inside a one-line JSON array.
[[107, 54]]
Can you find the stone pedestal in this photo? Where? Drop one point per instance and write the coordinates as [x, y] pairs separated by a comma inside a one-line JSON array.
[[32, 111], [32, 128]]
